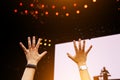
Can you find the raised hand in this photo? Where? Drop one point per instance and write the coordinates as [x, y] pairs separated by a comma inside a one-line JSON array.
[[81, 55], [32, 54]]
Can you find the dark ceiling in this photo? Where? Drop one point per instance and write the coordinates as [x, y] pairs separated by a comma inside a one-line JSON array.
[[100, 19]]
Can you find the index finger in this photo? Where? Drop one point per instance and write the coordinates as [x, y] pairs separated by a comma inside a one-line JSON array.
[[23, 47]]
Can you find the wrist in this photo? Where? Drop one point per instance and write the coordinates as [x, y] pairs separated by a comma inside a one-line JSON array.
[[32, 62], [31, 66], [83, 67], [81, 64]]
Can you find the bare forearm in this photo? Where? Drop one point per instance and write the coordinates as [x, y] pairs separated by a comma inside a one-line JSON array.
[[28, 74], [84, 74], [32, 57]]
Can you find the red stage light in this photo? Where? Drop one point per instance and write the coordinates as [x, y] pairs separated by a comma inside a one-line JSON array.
[[53, 6], [15, 10], [46, 12], [64, 7], [26, 11], [31, 5], [42, 6], [21, 4], [36, 12]]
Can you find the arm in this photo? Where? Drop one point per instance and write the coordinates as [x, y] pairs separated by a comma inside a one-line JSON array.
[[32, 57], [80, 59]]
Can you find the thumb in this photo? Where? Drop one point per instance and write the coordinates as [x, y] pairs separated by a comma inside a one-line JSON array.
[[70, 56]]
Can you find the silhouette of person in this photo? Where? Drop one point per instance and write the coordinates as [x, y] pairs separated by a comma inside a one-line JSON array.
[[104, 73]]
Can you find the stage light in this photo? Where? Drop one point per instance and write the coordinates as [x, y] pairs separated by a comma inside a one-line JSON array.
[[39, 8], [49, 40], [78, 11], [64, 7], [36, 12], [85, 6], [21, 4], [42, 6], [41, 43], [45, 44], [67, 14], [53, 6], [74, 4], [31, 5], [45, 40], [49, 45], [15, 10], [56, 13], [26, 11], [46, 12], [94, 0]]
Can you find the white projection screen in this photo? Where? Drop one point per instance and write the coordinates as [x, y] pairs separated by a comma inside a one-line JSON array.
[[105, 52]]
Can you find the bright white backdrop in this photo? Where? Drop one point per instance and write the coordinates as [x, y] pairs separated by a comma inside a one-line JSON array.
[[105, 52]]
